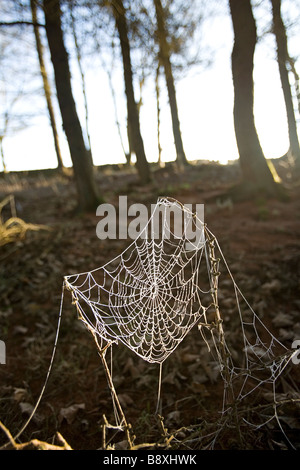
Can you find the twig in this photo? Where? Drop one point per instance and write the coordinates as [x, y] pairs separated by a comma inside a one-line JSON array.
[[34, 444], [167, 438], [17, 23], [124, 425]]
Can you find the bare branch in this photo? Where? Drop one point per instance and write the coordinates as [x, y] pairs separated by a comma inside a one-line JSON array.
[[17, 23]]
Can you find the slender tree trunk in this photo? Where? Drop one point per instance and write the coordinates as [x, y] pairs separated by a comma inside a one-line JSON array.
[[129, 129], [255, 169], [46, 84], [130, 143], [81, 158], [135, 137], [297, 80], [166, 62], [2, 155], [3, 134], [283, 59], [157, 91], [109, 71], [83, 84]]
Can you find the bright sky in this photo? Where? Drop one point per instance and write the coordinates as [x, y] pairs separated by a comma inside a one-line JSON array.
[[205, 103]]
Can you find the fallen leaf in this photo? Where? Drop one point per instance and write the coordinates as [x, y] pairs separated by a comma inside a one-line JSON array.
[[131, 368], [20, 329], [125, 400], [26, 407], [173, 418], [199, 389], [282, 320], [122, 445], [188, 357], [271, 287], [20, 394], [69, 413]]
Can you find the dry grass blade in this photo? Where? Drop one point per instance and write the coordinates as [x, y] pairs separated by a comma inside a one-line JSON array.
[[15, 228], [34, 444]]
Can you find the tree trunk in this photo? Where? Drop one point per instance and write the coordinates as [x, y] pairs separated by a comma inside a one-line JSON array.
[[256, 172], [296, 78], [46, 85], [2, 155], [81, 158], [157, 92], [166, 62], [283, 59], [135, 137], [82, 76]]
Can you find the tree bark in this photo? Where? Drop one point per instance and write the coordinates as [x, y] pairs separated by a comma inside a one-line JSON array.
[[166, 62], [256, 172], [135, 137], [88, 198], [46, 84], [283, 59]]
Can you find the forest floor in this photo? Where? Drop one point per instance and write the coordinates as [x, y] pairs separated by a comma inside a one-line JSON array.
[[260, 240]]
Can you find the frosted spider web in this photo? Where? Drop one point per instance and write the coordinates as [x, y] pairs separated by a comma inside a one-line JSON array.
[[148, 297], [151, 295]]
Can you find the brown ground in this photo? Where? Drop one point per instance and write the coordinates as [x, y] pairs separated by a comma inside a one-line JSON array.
[[260, 241]]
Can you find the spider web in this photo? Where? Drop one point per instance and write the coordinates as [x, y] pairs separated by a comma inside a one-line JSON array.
[[148, 297], [151, 295]]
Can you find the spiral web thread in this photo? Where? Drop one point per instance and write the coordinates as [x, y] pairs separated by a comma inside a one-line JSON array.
[[151, 295]]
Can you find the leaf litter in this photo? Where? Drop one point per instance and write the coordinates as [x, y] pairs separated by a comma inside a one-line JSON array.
[[266, 266]]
